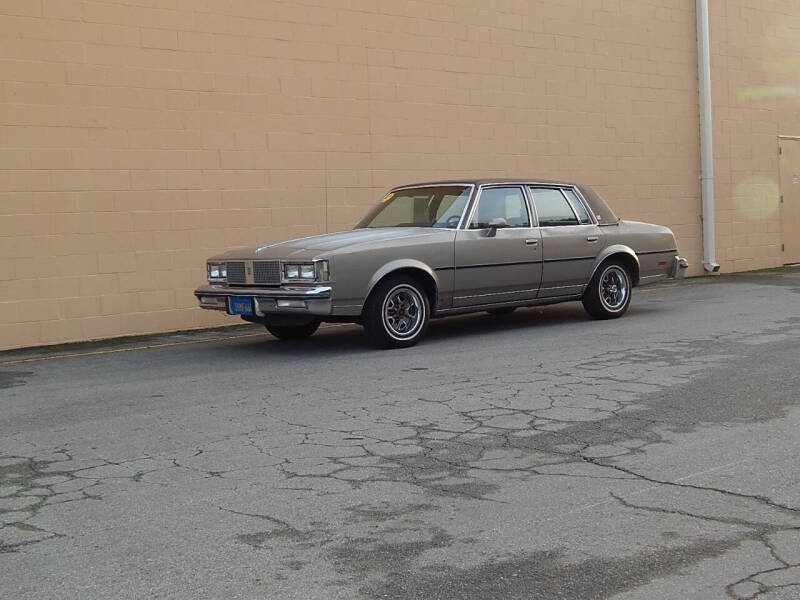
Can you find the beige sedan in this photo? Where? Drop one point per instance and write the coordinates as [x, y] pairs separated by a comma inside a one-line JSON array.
[[431, 250]]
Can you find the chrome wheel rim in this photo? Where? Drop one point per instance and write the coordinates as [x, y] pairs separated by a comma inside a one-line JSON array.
[[403, 312], [614, 288]]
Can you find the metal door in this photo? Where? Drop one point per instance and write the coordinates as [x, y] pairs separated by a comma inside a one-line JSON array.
[[504, 267], [571, 241], [790, 199], [569, 254]]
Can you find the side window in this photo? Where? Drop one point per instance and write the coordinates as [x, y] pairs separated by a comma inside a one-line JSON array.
[[580, 209], [450, 208], [552, 208], [501, 203]]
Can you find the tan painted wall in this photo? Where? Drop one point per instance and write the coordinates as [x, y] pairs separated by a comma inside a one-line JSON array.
[[139, 136], [756, 94]]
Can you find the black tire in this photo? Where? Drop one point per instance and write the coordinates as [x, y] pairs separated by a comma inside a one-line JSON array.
[[609, 293], [397, 312], [293, 332], [506, 310]]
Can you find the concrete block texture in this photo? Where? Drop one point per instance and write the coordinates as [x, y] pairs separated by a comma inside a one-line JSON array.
[[136, 139]]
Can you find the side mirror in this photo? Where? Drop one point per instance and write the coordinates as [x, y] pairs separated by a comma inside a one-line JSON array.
[[494, 225]]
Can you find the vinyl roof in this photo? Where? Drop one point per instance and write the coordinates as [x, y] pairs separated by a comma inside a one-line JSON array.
[[489, 181]]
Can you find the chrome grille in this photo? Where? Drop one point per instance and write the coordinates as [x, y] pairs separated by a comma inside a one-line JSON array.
[[236, 273], [266, 272]]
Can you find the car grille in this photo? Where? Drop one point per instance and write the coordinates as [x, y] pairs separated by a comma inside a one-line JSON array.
[[264, 273], [236, 272]]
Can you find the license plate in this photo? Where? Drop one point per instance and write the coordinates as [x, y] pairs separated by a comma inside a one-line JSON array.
[[241, 305]]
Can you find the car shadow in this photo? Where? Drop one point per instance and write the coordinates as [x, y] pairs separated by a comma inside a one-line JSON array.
[[521, 319], [349, 338]]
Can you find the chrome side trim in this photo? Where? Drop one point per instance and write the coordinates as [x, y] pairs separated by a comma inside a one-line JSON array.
[[571, 259], [561, 287], [446, 312], [496, 294], [670, 251], [652, 278], [489, 265]]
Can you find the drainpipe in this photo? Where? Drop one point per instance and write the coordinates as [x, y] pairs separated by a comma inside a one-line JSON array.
[[706, 138]]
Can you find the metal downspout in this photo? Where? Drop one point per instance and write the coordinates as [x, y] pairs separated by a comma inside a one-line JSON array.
[[706, 138]]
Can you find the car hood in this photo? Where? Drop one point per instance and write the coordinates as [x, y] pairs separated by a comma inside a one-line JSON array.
[[320, 246]]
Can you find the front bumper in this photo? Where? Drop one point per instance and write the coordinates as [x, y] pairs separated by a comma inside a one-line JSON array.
[[314, 300], [679, 267]]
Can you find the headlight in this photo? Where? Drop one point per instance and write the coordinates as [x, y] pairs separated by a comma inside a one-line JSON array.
[[217, 272], [291, 271], [299, 272], [317, 271]]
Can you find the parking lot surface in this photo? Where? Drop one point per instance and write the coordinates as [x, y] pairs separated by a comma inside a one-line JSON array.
[[537, 455]]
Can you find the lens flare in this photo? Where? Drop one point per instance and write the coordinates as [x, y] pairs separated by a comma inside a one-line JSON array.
[[757, 199], [765, 92]]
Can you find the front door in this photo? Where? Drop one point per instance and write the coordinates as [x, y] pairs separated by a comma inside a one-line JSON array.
[[571, 241], [790, 196], [502, 265]]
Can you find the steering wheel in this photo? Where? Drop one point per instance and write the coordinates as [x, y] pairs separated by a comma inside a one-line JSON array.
[[452, 221]]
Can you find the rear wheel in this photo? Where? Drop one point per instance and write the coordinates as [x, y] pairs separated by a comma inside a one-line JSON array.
[[397, 312], [609, 293], [293, 332]]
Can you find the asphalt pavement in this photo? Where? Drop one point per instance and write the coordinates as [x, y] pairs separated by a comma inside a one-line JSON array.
[[540, 455]]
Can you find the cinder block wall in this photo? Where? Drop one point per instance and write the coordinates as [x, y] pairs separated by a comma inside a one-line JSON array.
[[755, 62], [138, 136]]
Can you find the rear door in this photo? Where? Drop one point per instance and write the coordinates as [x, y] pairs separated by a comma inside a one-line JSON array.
[[506, 267], [571, 240]]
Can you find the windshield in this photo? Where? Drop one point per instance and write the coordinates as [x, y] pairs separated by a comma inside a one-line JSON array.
[[439, 206]]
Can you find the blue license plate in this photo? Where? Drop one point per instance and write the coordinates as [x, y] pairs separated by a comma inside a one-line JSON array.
[[241, 305]]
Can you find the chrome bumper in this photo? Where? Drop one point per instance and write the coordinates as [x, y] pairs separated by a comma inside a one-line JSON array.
[[679, 267], [269, 301]]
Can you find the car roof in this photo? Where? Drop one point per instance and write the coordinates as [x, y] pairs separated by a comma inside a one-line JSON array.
[[488, 181]]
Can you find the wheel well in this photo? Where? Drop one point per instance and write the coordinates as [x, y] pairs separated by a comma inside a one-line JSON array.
[[630, 263], [421, 276]]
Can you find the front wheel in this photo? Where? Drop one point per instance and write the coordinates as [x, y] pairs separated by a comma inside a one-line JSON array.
[[293, 332], [397, 312], [609, 293]]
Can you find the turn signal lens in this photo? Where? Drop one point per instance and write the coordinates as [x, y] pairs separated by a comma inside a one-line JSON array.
[[323, 270]]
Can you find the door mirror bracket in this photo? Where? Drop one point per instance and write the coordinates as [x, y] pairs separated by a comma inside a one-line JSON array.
[[494, 225]]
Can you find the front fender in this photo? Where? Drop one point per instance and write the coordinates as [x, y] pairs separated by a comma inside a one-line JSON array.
[[614, 250], [396, 265]]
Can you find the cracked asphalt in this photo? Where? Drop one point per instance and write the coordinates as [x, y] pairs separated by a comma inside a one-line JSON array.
[[540, 455]]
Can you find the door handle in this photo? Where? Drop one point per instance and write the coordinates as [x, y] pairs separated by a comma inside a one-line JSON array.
[[592, 239], [531, 242]]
